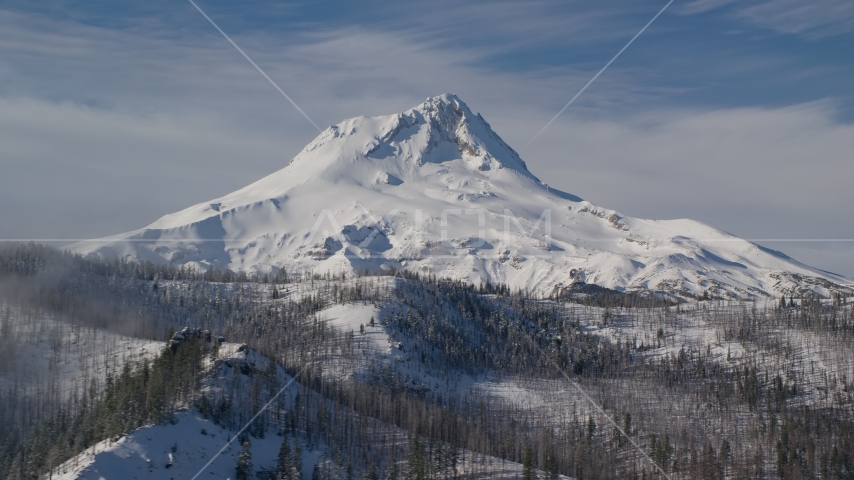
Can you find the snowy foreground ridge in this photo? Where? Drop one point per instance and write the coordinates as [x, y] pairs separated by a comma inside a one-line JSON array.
[[435, 190], [182, 447]]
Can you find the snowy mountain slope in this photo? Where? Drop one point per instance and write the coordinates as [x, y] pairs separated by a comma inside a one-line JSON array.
[[809, 359], [146, 452], [182, 447], [435, 190], [383, 350], [48, 359]]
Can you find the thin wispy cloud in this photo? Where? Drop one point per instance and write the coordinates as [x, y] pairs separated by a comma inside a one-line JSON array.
[[818, 18], [136, 123], [813, 19], [702, 6], [497, 27]]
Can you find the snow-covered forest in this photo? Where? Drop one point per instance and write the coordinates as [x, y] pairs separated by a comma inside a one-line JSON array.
[[411, 377]]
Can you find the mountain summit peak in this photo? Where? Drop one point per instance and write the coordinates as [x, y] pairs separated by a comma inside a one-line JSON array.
[[447, 103], [435, 190], [446, 99], [450, 119], [440, 130]]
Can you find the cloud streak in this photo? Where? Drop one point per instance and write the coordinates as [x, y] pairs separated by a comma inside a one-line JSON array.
[[814, 19], [103, 130], [756, 172]]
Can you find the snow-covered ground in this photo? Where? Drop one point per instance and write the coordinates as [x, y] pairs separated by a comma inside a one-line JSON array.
[[358, 318], [435, 190], [818, 365], [191, 441], [380, 348], [182, 447], [51, 358]]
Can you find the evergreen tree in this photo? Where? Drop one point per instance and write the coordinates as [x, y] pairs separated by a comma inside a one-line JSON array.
[[244, 463], [416, 464], [551, 468], [391, 472], [724, 455], [371, 473], [591, 428], [627, 429], [296, 459], [661, 451], [285, 463], [528, 470]]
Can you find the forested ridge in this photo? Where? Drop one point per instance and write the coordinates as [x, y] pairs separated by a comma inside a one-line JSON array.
[[761, 412]]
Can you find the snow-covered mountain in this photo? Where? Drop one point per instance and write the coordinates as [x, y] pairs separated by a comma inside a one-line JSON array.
[[435, 190]]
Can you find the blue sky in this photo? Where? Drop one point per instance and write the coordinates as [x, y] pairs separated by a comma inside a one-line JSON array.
[[735, 113]]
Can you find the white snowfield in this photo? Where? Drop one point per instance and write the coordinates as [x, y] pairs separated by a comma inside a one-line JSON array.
[[435, 190], [182, 448], [50, 358], [146, 453]]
